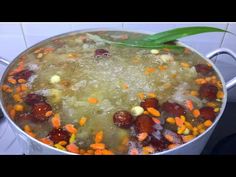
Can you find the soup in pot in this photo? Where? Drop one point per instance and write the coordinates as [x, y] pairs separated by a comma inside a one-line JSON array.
[[88, 97]]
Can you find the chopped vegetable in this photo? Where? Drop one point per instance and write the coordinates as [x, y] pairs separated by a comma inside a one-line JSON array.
[[99, 137], [72, 148], [11, 80], [153, 112], [58, 146], [136, 111], [55, 79], [82, 121], [179, 122], [142, 136], [170, 120], [56, 121], [99, 146], [196, 113], [72, 138], [19, 107], [207, 123], [46, 141], [70, 128], [189, 104], [156, 120], [93, 100], [187, 138], [220, 95]]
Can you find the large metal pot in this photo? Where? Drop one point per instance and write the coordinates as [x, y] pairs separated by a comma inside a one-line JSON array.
[[33, 146]]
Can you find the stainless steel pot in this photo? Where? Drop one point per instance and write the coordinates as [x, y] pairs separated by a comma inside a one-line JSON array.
[[33, 146]]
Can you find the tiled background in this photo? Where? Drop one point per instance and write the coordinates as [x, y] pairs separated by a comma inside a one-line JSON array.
[[15, 37]]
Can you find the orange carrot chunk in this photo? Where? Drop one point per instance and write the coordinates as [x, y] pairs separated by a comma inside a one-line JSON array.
[[56, 121], [99, 137], [189, 104], [93, 100], [98, 146], [70, 128], [72, 148], [153, 111]]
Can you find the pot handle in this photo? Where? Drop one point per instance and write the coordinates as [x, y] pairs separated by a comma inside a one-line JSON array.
[[5, 63], [231, 83]]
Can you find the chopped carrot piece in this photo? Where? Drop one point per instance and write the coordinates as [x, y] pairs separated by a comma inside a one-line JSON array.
[[149, 70], [172, 146], [187, 138], [98, 146], [19, 107], [46, 141], [98, 152], [200, 126], [188, 125], [152, 95], [21, 81], [162, 67], [11, 80], [7, 88], [200, 81], [148, 150], [169, 137], [196, 113], [207, 123], [107, 152], [142, 136], [12, 113], [189, 104], [17, 98], [23, 87], [56, 121], [27, 128], [31, 134], [141, 96], [153, 111], [90, 152], [194, 93], [125, 86], [48, 113], [82, 121], [133, 151], [201, 130], [181, 129], [99, 137], [220, 95], [184, 64], [170, 120], [146, 112], [157, 121], [63, 143], [72, 148], [81, 151], [216, 109], [70, 128], [179, 122], [93, 100], [211, 104], [19, 68]]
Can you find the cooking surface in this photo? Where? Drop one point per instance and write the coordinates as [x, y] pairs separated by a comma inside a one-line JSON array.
[[225, 127]]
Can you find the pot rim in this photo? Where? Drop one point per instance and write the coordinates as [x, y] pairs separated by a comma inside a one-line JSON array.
[[71, 33]]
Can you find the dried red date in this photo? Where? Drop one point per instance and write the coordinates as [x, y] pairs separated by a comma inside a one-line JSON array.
[[203, 69], [144, 123], [39, 111], [149, 102], [207, 113], [57, 135], [123, 119], [173, 108], [208, 91], [33, 98]]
